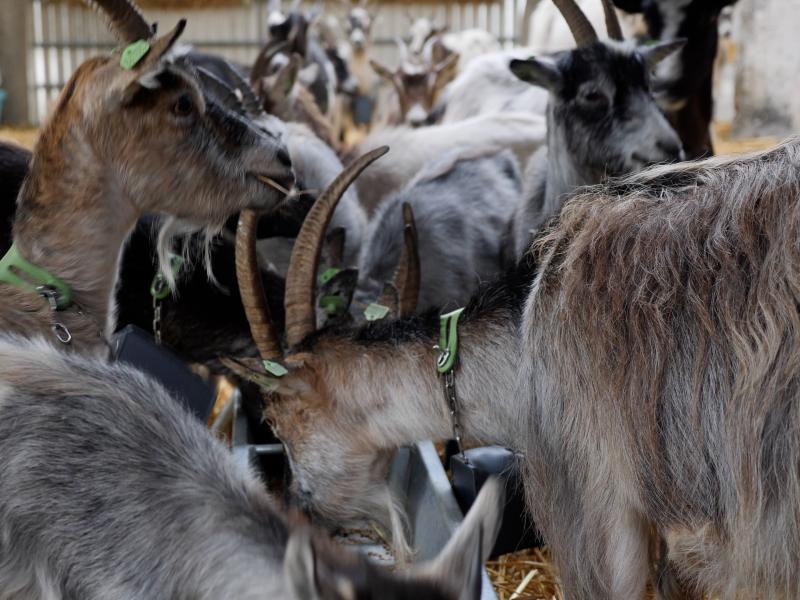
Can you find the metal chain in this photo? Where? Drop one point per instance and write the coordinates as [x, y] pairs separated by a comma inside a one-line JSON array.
[[449, 380], [157, 320]]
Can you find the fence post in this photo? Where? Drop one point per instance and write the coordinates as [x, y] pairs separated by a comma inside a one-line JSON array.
[[14, 59]]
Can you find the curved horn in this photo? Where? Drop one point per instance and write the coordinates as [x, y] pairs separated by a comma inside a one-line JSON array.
[[302, 275], [407, 277], [613, 27], [263, 60], [250, 102], [252, 289], [221, 90], [125, 19], [402, 47], [579, 25]]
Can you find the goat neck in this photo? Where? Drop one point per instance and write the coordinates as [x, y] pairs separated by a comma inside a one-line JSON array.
[[72, 221]]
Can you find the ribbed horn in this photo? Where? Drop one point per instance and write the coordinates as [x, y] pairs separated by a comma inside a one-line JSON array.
[[124, 19], [579, 25], [302, 275], [613, 27], [252, 288], [250, 102], [221, 91], [407, 277], [263, 60]]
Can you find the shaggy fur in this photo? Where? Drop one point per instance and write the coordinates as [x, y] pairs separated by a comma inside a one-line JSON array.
[[662, 345], [111, 490]]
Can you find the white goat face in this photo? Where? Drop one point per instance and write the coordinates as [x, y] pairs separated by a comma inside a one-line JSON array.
[[602, 112]]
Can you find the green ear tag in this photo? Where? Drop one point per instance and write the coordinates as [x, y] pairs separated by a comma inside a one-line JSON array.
[[329, 274], [133, 54], [275, 369], [331, 304], [375, 312]]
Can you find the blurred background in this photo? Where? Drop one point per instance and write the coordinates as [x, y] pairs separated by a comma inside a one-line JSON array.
[[42, 41]]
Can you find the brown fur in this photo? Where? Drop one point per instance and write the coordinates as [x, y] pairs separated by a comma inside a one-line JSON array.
[[115, 148]]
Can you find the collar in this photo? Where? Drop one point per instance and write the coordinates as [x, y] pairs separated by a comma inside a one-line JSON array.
[[16, 271], [448, 341]]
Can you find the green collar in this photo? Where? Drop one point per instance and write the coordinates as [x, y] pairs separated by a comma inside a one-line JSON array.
[[17, 271], [448, 341]]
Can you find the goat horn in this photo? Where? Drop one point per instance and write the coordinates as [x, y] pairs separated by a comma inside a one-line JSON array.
[[125, 19], [250, 102], [221, 90], [613, 28], [302, 275], [265, 57], [407, 277], [252, 288], [579, 25]]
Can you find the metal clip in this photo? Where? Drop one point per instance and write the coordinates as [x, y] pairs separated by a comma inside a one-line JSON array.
[[51, 295]]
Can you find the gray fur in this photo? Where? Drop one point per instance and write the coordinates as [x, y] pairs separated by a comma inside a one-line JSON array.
[[461, 207], [315, 166], [110, 490], [602, 121]]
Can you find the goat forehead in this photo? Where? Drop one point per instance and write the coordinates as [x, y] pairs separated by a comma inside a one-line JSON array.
[[619, 65]]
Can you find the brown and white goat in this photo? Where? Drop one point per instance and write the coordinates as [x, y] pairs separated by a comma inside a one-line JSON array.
[[121, 143], [418, 81], [647, 367]]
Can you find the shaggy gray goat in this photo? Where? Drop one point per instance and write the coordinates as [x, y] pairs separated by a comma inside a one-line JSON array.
[[602, 119], [462, 207], [112, 490]]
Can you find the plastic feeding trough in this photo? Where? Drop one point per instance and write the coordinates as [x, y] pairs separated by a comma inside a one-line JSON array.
[[417, 479]]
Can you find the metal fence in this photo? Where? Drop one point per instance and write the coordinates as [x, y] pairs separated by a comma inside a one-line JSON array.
[[65, 33]]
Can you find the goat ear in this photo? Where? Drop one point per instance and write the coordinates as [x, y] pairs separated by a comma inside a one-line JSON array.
[[309, 576], [146, 72], [381, 70], [459, 566], [655, 53], [537, 72]]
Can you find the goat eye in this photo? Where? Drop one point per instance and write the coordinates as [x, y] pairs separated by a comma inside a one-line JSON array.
[[183, 106]]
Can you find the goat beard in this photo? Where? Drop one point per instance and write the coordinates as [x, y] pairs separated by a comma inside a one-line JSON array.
[[194, 243]]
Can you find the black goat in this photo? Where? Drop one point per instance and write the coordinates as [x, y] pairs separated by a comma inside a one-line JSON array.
[[686, 80]]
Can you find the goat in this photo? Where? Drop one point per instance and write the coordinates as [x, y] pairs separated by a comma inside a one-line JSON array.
[[686, 79], [417, 81], [316, 165], [462, 207], [283, 96], [487, 86], [469, 44], [141, 502], [184, 155], [413, 149], [641, 357], [543, 30], [289, 34], [602, 119], [13, 168]]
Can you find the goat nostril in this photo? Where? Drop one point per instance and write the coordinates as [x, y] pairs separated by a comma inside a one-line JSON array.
[[284, 158]]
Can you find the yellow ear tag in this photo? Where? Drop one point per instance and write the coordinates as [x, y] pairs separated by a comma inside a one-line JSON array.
[[274, 368], [376, 312], [133, 54]]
